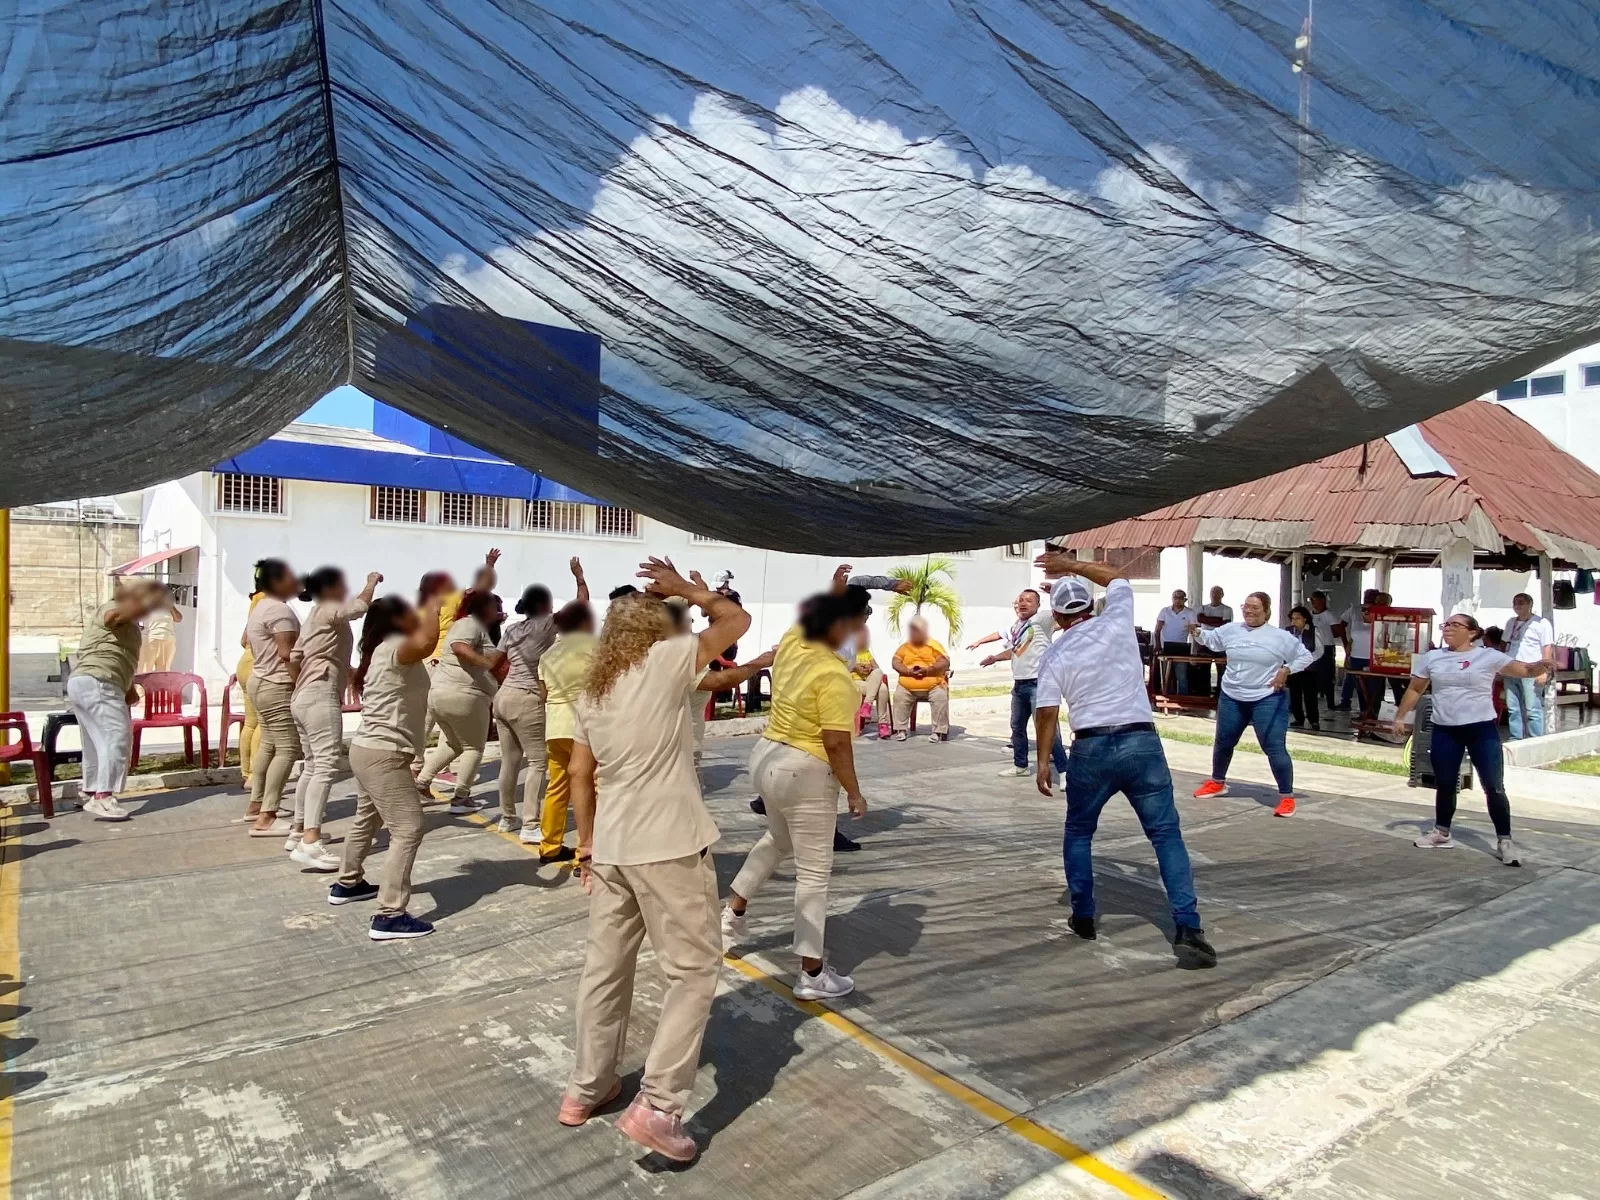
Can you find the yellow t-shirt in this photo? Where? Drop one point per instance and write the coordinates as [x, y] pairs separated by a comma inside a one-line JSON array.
[[924, 655], [247, 661], [812, 690], [447, 618], [562, 670]]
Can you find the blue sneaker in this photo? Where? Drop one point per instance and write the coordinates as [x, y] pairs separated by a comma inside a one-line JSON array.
[[397, 927], [339, 893]]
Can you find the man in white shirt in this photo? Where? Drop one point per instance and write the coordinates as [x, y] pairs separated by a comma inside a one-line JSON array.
[[1170, 637], [1530, 639], [1095, 668], [1025, 644], [1325, 622], [1355, 630], [1212, 616]]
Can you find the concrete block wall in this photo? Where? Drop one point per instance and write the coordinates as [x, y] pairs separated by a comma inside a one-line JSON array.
[[59, 566]]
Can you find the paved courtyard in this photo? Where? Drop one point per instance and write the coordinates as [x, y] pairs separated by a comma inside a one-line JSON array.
[[188, 1017]]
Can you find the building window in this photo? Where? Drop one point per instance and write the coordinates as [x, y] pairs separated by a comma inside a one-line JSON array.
[[958, 554], [705, 539], [408, 505], [250, 494], [1017, 550], [615, 522], [1591, 375], [553, 516], [482, 512], [1512, 391], [1548, 385]]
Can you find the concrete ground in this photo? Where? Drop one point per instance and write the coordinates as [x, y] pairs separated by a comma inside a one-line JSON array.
[[189, 1018]]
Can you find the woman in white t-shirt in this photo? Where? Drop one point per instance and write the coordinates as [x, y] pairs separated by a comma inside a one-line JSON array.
[[1462, 676]]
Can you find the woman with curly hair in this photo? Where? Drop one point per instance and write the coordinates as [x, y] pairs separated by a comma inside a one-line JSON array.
[[644, 834]]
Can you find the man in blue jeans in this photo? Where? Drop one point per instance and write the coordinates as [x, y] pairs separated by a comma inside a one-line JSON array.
[[1094, 666], [1025, 644]]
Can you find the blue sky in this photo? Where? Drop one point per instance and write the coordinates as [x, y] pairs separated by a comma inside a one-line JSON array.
[[346, 406]]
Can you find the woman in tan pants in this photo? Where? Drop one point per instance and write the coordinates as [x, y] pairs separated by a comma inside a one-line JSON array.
[[464, 684], [270, 634], [519, 705], [393, 684]]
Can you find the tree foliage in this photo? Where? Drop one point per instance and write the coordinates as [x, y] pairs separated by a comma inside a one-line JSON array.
[[933, 586]]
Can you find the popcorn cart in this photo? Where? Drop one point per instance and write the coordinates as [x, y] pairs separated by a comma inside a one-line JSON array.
[[1397, 634]]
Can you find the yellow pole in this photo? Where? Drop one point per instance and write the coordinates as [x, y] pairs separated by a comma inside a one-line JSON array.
[[5, 624]]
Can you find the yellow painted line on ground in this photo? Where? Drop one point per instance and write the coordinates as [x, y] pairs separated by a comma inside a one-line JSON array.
[[1032, 1131], [10, 968]]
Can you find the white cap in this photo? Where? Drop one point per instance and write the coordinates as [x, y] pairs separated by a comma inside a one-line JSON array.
[[1071, 596]]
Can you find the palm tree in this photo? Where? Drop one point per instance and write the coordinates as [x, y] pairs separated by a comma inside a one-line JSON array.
[[927, 587]]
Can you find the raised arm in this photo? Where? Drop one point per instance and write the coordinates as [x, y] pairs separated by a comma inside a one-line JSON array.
[[485, 579], [728, 620], [425, 640], [1056, 563], [985, 640], [578, 579]]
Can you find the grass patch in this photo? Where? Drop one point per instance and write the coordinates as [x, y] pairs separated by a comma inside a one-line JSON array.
[[149, 764], [980, 689], [1326, 758], [1589, 764]]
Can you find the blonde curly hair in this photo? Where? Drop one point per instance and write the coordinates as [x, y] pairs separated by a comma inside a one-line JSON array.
[[633, 624]]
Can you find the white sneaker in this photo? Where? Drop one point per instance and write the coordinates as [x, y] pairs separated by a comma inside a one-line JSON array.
[[733, 926], [1506, 851], [293, 840], [826, 984], [312, 855], [509, 825], [1014, 772], [531, 835], [105, 808], [278, 828], [1435, 839]]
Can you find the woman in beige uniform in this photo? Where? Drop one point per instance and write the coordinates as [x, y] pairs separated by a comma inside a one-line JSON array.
[[393, 684], [100, 689], [271, 633], [463, 688], [322, 657]]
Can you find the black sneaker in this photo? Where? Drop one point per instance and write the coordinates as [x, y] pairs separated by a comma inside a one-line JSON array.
[[397, 927], [842, 844], [1083, 927], [1193, 951], [758, 805], [338, 893], [565, 854]]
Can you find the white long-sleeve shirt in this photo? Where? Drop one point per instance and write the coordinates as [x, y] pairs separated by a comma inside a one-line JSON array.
[[1254, 656]]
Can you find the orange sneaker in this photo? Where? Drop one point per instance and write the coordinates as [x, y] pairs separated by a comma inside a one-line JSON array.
[[1285, 807], [575, 1112], [1211, 787]]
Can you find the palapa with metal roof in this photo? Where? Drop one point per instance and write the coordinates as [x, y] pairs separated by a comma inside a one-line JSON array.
[[1513, 493]]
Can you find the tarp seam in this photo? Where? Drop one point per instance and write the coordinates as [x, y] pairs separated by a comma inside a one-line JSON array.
[[326, 82]]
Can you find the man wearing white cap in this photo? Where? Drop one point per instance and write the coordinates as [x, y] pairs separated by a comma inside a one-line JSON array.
[[1094, 666]]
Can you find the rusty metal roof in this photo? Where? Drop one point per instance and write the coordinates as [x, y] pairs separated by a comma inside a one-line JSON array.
[[1511, 483]]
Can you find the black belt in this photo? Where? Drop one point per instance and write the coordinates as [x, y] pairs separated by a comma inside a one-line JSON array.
[[1109, 730]]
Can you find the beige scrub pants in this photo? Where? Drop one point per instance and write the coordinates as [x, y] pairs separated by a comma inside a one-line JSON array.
[[876, 689], [277, 745], [938, 699], [675, 902], [519, 715], [319, 718], [802, 798], [385, 795], [463, 719]]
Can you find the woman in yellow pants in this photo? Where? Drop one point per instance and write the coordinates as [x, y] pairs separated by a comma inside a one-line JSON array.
[[562, 670], [250, 731]]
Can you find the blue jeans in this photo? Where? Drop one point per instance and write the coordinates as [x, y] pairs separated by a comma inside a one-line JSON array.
[[1022, 704], [1133, 764], [1524, 707], [1351, 683], [1270, 717], [1481, 741]]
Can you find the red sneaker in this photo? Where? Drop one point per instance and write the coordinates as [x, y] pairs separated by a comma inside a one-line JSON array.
[[1211, 787], [1285, 807], [658, 1131], [574, 1112], [884, 731]]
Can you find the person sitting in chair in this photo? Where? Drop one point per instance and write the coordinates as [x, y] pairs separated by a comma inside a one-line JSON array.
[[924, 669], [872, 685]]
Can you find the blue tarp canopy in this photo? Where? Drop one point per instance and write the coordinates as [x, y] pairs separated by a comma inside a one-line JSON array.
[[848, 276]]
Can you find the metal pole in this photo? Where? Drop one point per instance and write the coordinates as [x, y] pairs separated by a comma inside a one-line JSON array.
[[5, 623]]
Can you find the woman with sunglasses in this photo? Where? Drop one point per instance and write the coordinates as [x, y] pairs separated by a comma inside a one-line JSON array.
[[1462, 676]]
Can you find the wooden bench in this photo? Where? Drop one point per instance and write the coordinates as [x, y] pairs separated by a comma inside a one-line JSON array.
[[1583, 689]]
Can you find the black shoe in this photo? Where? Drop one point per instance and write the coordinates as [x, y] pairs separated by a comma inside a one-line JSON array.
[[565, 854], [1297, 724], [398, 927], [1193, 951], [1316, 727], [758, 805], [338, 893], [842, 844], [1083, 927]]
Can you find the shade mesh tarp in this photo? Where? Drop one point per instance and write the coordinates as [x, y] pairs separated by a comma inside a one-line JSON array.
[[829, 275]]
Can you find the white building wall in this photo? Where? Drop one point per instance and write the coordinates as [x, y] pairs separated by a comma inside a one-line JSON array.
[[327, 523]]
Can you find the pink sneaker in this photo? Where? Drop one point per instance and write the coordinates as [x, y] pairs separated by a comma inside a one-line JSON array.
[[575, 1112], [658, 1131], [884, 730]]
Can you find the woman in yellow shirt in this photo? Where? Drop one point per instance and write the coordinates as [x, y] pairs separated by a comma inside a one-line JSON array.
[[562, 670], [799, 765]]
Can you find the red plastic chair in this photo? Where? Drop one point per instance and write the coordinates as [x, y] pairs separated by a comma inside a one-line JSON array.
[[25, 751], [229, 719], [352, 699], [163, 709]]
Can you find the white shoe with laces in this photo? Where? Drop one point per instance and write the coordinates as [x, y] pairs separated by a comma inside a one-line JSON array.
[[530, 836], [106, 808], [509, 825], [1435, 839], [314, 856], [1014, 773], [293, 840], [1506, 851], [733, 926], [826, 984]]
